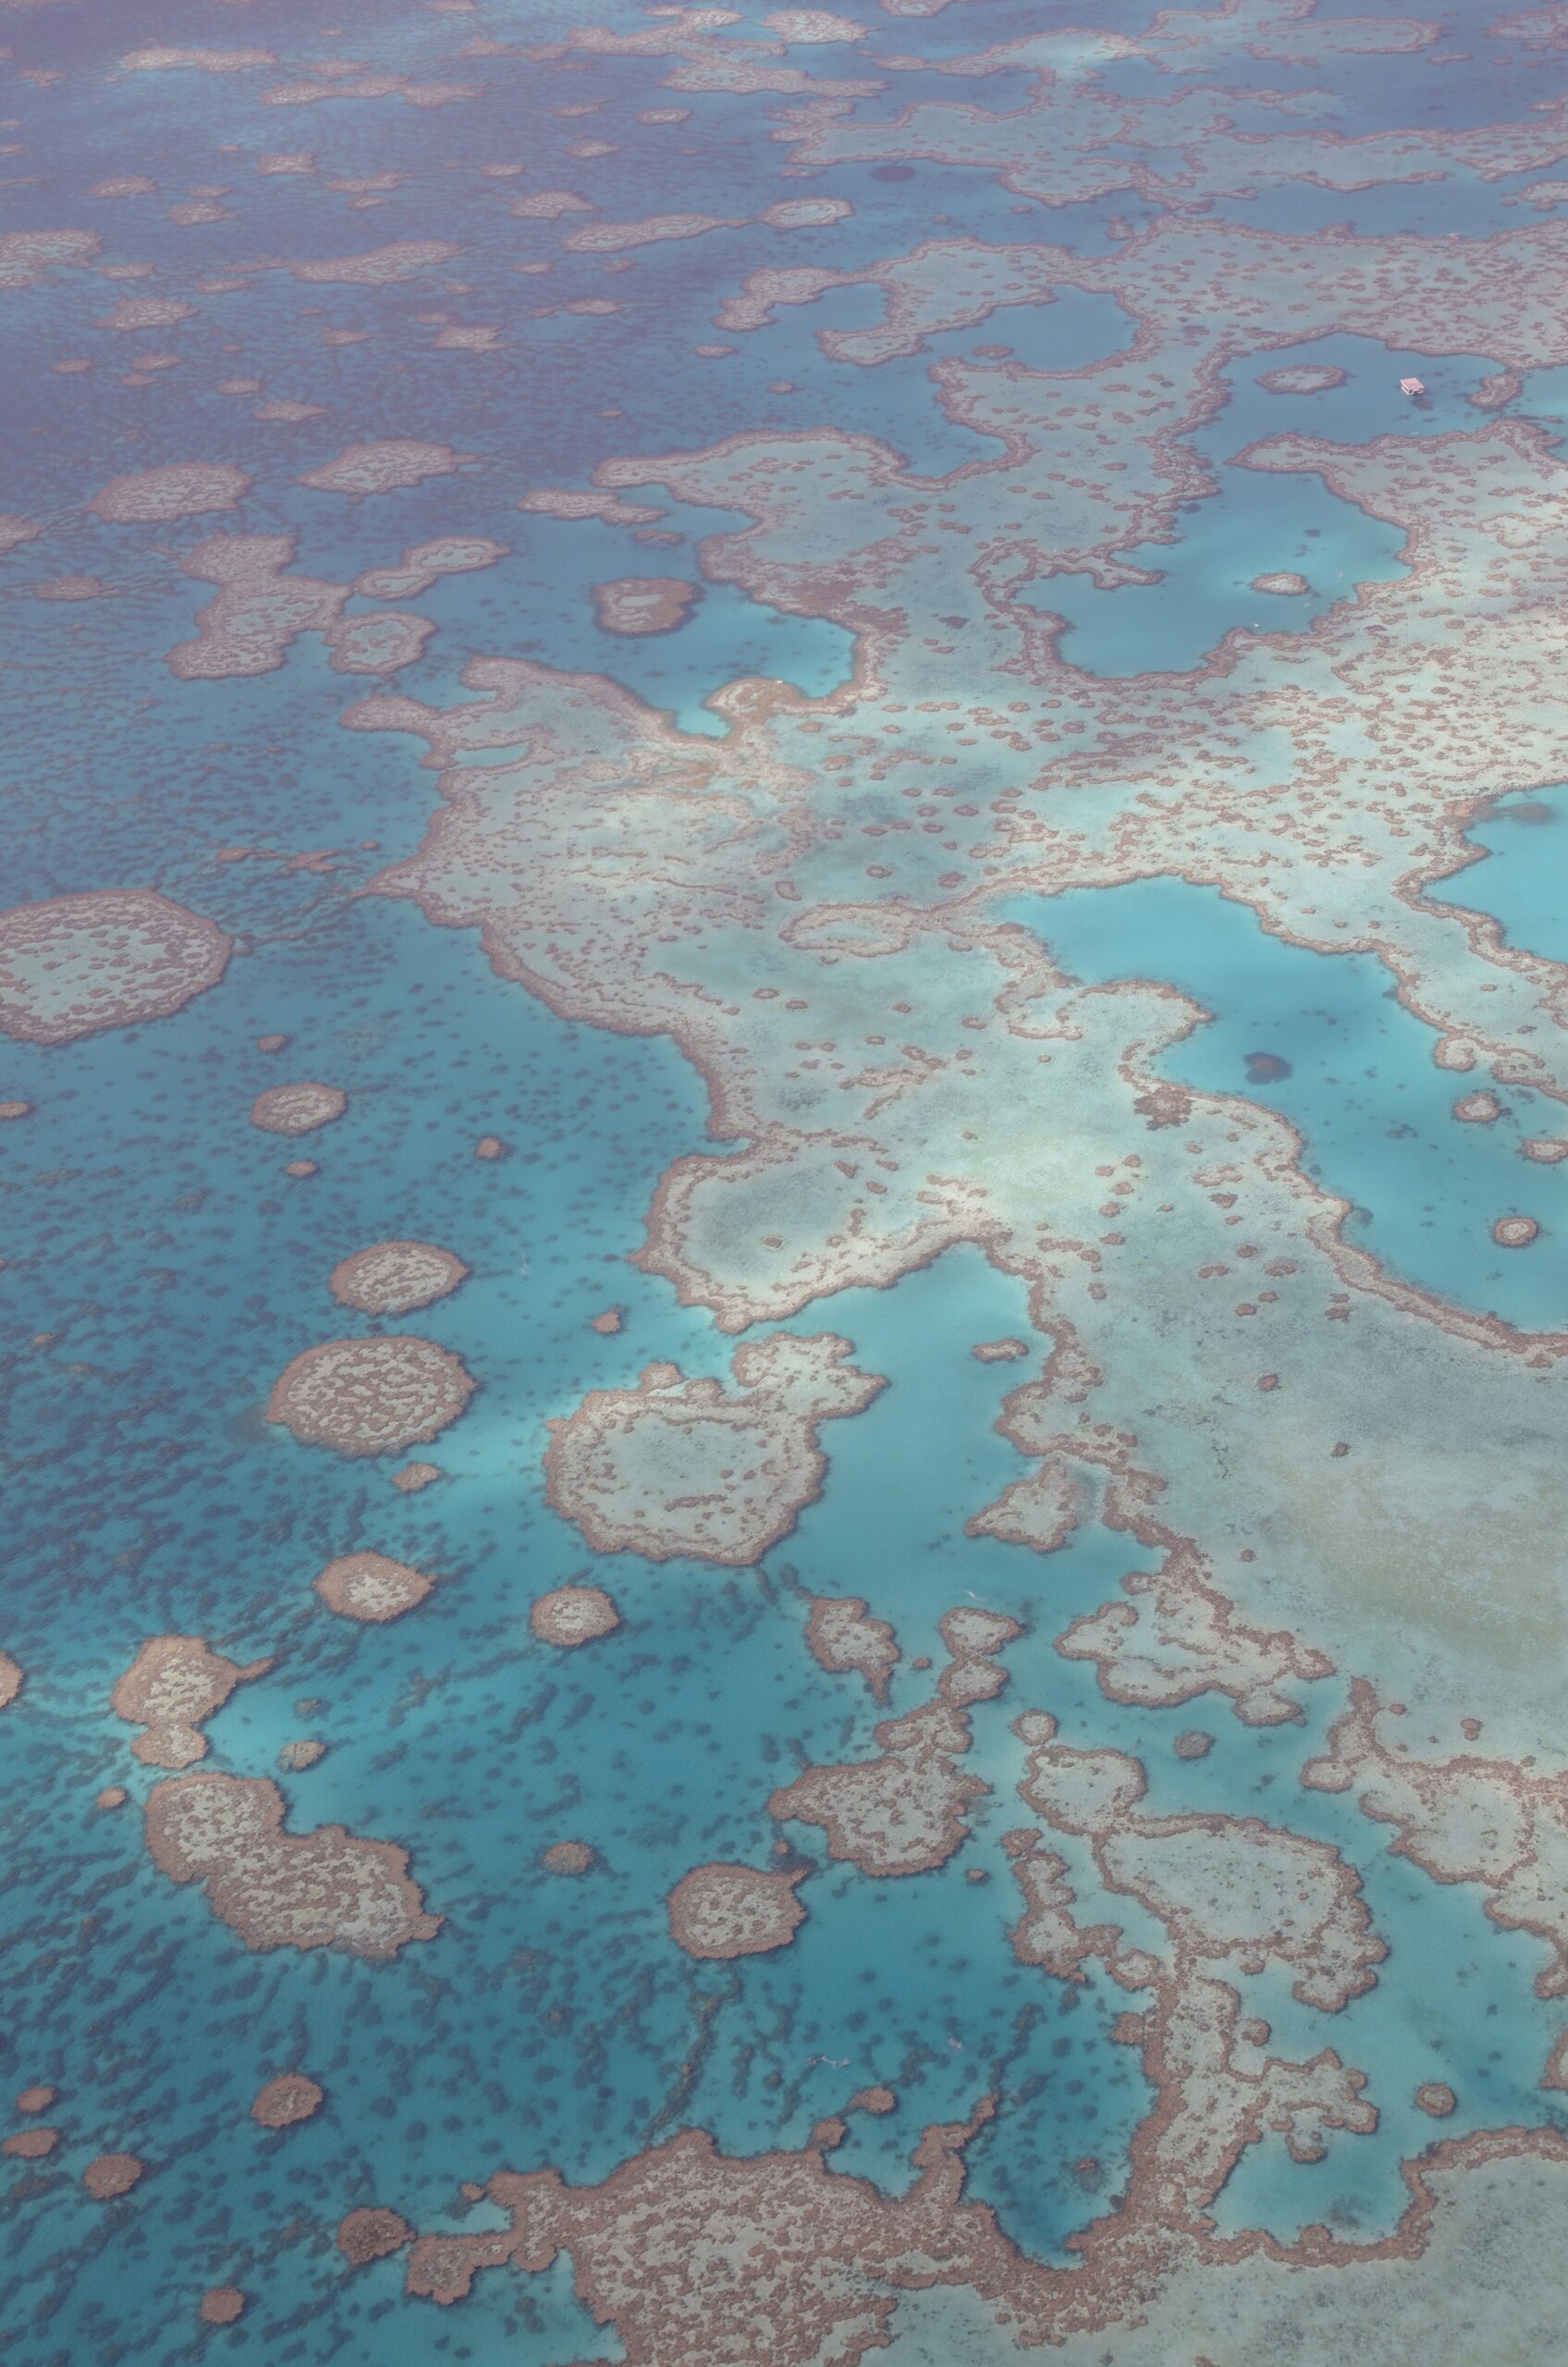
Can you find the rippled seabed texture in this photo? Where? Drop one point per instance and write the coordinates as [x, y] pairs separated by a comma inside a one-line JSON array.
[[785, 1275]]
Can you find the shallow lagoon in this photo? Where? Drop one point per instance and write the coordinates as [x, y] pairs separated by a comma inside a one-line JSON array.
[[1260, 522], [1522, 881], [1360, 1086]]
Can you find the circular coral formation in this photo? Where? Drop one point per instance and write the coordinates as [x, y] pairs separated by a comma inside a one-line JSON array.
[[372, 1587], [221, 2304], [290, 2097], [372, 2234], [572, 1615], [153, 496], [72, 587], [684, 1468], [11, 1680], [643, 604], [1284, 582], [1514, 1232], [300, 1167], [371, 1396], [568, 1858], [1545, 1148], [36, 2098], [395, 1277], [111, 2175], [113, 1795], [295, 1756], [1477, 1109], [1436, 2099], [412, 1477], [489, 1146], [878, 2100], [15, 1108], [809, 213], [1194, 1744], [1301, 378], [723, 1911], [32, 2144], [76, 964], [298, 1108]]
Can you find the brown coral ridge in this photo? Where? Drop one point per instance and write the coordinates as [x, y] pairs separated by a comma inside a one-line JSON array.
[[372, 1587], [569, 1857], [826, 2255], [682, 1467], [188, 489], [842, 1638], [172, 1687], [906, 1812], [374, 1396], [30, 2144], [1461, 1820], [721, 1911], [114, 958], [424, 563], [1175, 1636], [697, 2257], [1228, 1889], [387, 465], [298, 1108], [395, 1277], [1217, 2092], [1252, 1896], [643, 604], [327, 1888], [570, 1615], [903, 1812], [258, 609], [290, 2098], [1303, 378], [372, 2233], [111, 2175]]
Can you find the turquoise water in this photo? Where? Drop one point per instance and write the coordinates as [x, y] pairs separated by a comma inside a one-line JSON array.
[[1359, 1085], [1263, 522], [1521, 881], [159, 1268], [724, 637]]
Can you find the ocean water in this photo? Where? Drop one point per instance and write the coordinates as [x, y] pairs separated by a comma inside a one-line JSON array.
[[1359, 1083], [1261, 521], [1518, 880], [159, 1268]]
